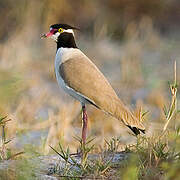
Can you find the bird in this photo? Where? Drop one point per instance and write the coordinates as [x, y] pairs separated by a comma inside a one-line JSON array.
[[78, 76]]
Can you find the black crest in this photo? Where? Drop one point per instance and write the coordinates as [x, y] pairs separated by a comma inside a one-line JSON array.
[[64, 26]]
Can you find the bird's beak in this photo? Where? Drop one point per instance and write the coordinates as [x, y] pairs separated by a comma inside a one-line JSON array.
[[43, 36], [46, 35], [49, 34]]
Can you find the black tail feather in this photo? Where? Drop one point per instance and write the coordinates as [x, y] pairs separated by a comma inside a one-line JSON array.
[[135, 130], [143, 131]]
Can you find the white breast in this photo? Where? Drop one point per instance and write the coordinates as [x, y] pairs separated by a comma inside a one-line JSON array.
[[62, 55]]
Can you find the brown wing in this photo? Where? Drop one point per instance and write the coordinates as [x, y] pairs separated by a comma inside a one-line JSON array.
[[83, 76]]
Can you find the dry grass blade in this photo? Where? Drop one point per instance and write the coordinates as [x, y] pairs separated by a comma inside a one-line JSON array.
[[3, 120], [5, 152], [61, 155], [65, 155], [14, 155], [173, 108]]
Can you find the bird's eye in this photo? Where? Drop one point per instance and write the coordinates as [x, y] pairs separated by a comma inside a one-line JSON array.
[[60, 30]]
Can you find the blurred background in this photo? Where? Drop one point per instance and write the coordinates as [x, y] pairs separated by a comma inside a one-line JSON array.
[[133, 42]]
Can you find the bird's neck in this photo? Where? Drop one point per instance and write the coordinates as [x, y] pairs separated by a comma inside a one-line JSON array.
[[66, 40]]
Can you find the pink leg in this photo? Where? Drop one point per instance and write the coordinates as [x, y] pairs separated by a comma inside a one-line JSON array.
[[84, 123]]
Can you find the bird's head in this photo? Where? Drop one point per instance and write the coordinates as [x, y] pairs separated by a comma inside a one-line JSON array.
[[58, 29]]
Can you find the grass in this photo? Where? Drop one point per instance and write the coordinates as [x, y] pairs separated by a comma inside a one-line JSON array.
[[172, 110], [156, 157], [86, 168], [5, 152], [150, 154]]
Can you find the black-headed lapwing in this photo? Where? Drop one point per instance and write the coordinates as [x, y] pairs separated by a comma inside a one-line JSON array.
[[80, 78]]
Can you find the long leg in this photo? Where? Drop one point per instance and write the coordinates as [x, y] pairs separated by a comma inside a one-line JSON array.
[[84, 128], [84, 123]]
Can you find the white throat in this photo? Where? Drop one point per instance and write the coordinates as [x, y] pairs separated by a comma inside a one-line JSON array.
[[55, 36]]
